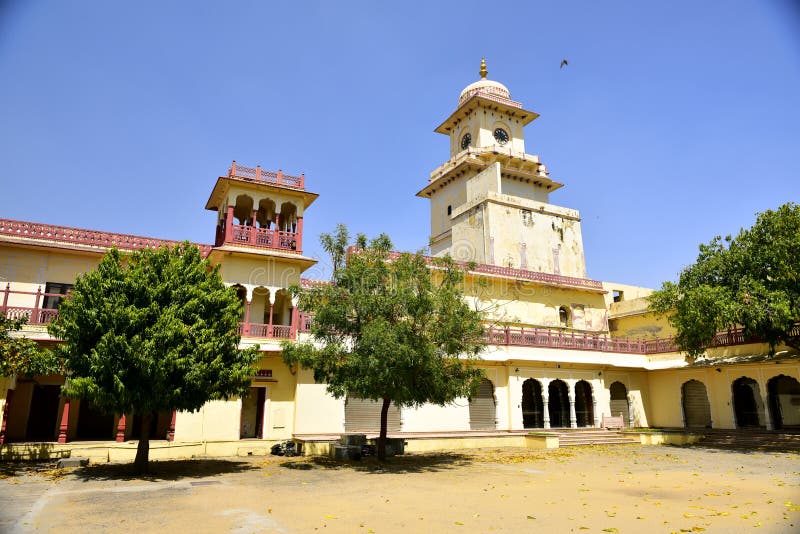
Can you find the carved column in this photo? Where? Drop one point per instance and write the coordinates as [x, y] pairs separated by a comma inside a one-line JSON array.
[[229, 224], [573, 421], [594, 412], [64, 426], [6, 408], [765, 399], [121, 427], [630, 411], [253, 228], [272, 292], [246, 329], [545, 403], [299, 235]]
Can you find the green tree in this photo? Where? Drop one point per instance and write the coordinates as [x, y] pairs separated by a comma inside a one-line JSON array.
[[390, 328], [154, 331], [750, 281], [22, 356]]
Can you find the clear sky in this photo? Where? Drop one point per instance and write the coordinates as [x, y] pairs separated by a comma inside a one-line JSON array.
[[673, 121]]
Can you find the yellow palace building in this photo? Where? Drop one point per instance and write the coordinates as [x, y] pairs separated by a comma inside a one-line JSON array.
[[564, 352]]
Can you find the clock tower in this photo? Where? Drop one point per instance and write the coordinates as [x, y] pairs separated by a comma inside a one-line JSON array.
[[490, 202]]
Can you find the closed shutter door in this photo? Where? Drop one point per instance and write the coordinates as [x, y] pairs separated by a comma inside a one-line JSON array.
[[363, 415], [695, 405], [620, 407], [482, 408]]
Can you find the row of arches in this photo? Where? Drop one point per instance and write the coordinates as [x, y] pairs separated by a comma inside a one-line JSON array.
[[559, 408], [268, 313], [780, 409], [266, 214]]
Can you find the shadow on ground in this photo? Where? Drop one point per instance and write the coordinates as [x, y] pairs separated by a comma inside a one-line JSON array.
[[163, 470], [412, 463], [20, 468]]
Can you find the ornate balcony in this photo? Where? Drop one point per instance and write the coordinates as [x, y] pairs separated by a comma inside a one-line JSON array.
[[252, 236]]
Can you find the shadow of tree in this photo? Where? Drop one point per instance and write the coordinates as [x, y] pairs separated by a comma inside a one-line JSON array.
[[163, 470], [16, 468], [408, 463]]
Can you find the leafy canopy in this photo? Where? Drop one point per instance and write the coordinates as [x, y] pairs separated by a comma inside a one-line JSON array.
[[23, 356], [390, 327], [157, 331], [750, 281]]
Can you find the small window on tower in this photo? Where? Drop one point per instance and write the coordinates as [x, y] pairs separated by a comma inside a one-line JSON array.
[[449, 210], [618, 295]]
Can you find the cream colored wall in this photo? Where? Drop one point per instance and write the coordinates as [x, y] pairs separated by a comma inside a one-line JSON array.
[[531, 304], [433, 418], [455, 416], [266, 271], [453, 194], [528, 191], [544, 233], [31, 269], [665, 390], [316, 411], [630, 293], [645, 326], [481, 123], [215, 421]]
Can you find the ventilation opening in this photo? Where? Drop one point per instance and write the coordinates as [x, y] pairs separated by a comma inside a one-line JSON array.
[[449, 210], [619, 296]]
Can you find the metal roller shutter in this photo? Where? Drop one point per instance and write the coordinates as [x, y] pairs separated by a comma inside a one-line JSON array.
[[482, 408], [363, 415], [696, 409]]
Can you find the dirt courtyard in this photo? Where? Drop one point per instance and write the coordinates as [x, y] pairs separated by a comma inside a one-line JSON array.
[[594, 489]]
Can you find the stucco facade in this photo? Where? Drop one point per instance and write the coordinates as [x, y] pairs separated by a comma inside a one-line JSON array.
[[563, 350]]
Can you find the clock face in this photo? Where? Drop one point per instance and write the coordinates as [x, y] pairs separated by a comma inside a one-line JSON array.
[[501, 136], [466, 141]]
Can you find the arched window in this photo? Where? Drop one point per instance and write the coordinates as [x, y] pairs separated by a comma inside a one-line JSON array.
[[563, 316]]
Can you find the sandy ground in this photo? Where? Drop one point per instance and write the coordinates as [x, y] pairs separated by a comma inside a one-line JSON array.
[[595, 489]]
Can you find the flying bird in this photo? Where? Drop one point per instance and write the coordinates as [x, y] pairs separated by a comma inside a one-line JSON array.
[[564, 63]]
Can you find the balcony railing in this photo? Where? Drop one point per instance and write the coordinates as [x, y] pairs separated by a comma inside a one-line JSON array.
[[36, 314], [508, 336], [257, 173], [253, 236], [79, 236]]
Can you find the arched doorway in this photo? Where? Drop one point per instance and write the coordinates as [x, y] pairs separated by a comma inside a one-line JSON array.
[[696, 409], [619, 402], [584, 407], [558, 404], [784, 401], [482, 408], [532, 404], [364, 415], [746, 402]]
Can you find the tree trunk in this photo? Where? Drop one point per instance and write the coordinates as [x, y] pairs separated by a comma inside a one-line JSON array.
[[384, 424], [141, 463]]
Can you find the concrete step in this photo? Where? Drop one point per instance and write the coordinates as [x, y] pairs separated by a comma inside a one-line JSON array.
[[594, 436]]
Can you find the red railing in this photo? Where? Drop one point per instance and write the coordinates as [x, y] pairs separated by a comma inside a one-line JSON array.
[[78, 236], [36, 314], [518, 274], [257, 173], [260, 237], [267, 331], [510, 336]]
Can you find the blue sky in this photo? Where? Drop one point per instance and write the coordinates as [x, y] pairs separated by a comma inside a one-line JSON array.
[[673, 122]]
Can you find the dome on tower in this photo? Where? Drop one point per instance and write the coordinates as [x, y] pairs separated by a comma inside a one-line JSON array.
[[484, 86]]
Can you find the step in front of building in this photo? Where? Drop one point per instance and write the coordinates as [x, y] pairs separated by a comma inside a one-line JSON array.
[[576, 438]]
